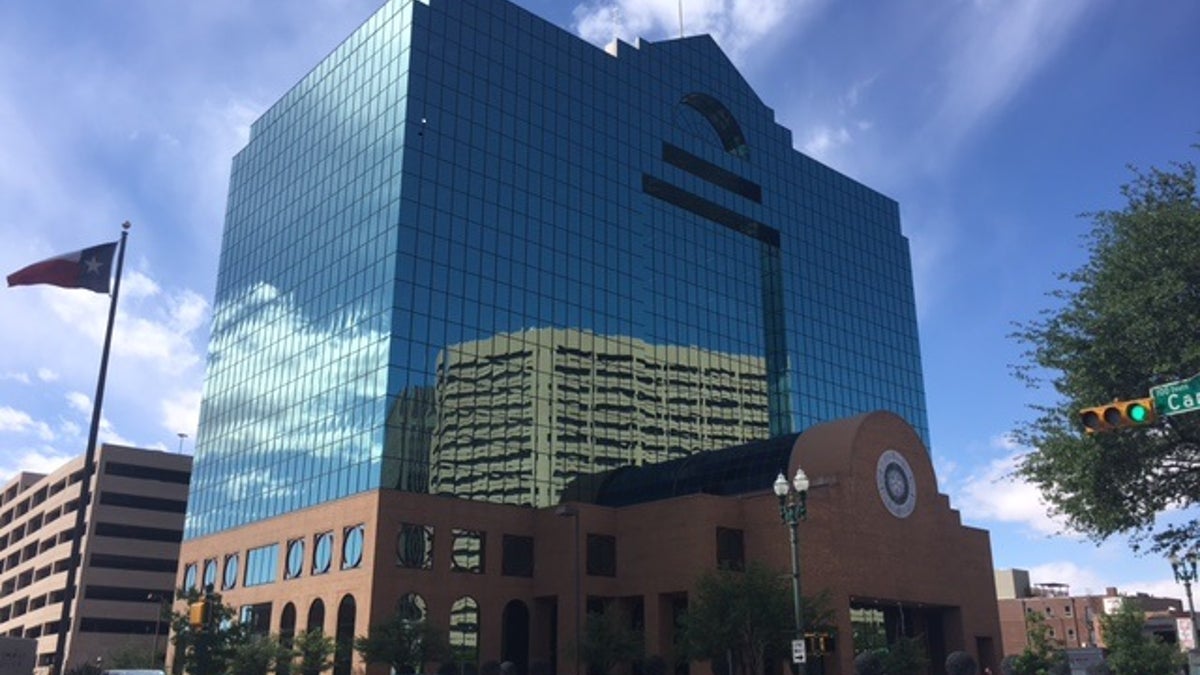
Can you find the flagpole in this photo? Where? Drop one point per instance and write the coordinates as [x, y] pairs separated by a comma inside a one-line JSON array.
[[89, 468]]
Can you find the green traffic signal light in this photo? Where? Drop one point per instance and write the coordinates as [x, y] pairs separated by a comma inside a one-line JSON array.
[[1137, 412], [1117, 415]]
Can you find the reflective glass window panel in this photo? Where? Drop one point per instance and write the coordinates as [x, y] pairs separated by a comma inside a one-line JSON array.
[[414, 546], [601, 555], [517, 556], [260, 565], [295, 558], [467, 551], [464, 630], [322, 552], [352, 547], [210, 573], [231, 571]]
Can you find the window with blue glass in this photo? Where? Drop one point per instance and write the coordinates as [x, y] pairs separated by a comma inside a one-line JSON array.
[[295, 559], [261, 564], [322, 552], [352, 547], [229, 580], [467, 551], [210, 573], [666, 263], [189, 576]]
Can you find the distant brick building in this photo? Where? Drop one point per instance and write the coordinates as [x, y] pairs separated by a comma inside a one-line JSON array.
[[130, 553], [1073, 620]]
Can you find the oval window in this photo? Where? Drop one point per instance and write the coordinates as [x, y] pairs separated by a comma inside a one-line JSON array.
[[295, 558], [352, 547], [323, 553], [231, 571]]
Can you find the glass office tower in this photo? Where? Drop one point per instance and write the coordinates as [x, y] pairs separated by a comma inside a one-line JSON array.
[[472, 254]]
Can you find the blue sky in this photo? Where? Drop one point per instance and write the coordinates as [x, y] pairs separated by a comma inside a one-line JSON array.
[[993, 124]]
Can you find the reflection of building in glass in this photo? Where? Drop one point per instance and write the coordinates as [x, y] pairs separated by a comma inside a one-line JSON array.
[[520, 414], [411, 423], [457, 171]]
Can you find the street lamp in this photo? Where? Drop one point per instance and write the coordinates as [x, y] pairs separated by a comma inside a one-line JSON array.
[[568, 511], [163, 601], [793, 507], [1185, 573]]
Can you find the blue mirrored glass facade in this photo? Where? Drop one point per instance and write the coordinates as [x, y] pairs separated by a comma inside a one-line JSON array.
[[472, 254]]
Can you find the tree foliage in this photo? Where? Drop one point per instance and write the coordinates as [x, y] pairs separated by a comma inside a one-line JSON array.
[[961, 663], [208, 650], [1043, 655], [609, 641], [403, 643], [314, 651], [747, 616], [1127, 320], [1131, 651], [258, 655], [906, 656]]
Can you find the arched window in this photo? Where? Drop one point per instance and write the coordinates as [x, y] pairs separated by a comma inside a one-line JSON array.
[[722, 121], [464, 631], [411, 607], [343, 649], [287, 635], [316, 616]]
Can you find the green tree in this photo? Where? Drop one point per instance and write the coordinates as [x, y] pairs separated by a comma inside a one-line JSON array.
[[1125, 321], [258, 655], [314, 650], [906, 656], [404, 644], [1131, 651], [130, 656], [961, 663], [747, 617], [1043, 655], [609, 641], [206, 650]]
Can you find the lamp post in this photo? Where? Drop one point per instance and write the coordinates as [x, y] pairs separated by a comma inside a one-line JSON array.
[[1185, 573], [162, 609], [567, 511], [793, 507]]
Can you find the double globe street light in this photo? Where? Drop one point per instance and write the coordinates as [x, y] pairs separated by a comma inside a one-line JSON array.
[[1184, 569], [793, 507]]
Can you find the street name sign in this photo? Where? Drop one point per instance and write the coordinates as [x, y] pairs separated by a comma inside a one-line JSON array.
[[1174, 398]]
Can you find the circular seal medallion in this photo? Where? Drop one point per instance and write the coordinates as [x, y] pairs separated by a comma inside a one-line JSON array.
[[897, 487]]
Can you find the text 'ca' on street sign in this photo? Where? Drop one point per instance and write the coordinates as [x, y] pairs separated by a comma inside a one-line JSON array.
[[1174, 398]]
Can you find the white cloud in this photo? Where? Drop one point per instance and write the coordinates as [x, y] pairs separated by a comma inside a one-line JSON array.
[[821, 141], [994, 493], [46, 375], [1082, 581], [736, 25], [998, 49], [80, 402], [181, 412], [41, 461], [12, 419]]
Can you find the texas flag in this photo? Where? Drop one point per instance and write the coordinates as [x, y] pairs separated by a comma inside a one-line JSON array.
[[90, 268]]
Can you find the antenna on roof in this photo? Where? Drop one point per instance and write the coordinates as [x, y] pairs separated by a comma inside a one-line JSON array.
[[680, 18]]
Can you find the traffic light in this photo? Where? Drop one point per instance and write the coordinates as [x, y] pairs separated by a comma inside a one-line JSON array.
[[198, 614], [1118, 415]]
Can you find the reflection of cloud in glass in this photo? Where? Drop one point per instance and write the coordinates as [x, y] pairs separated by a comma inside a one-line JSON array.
[[520, 414], [285, 397]]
